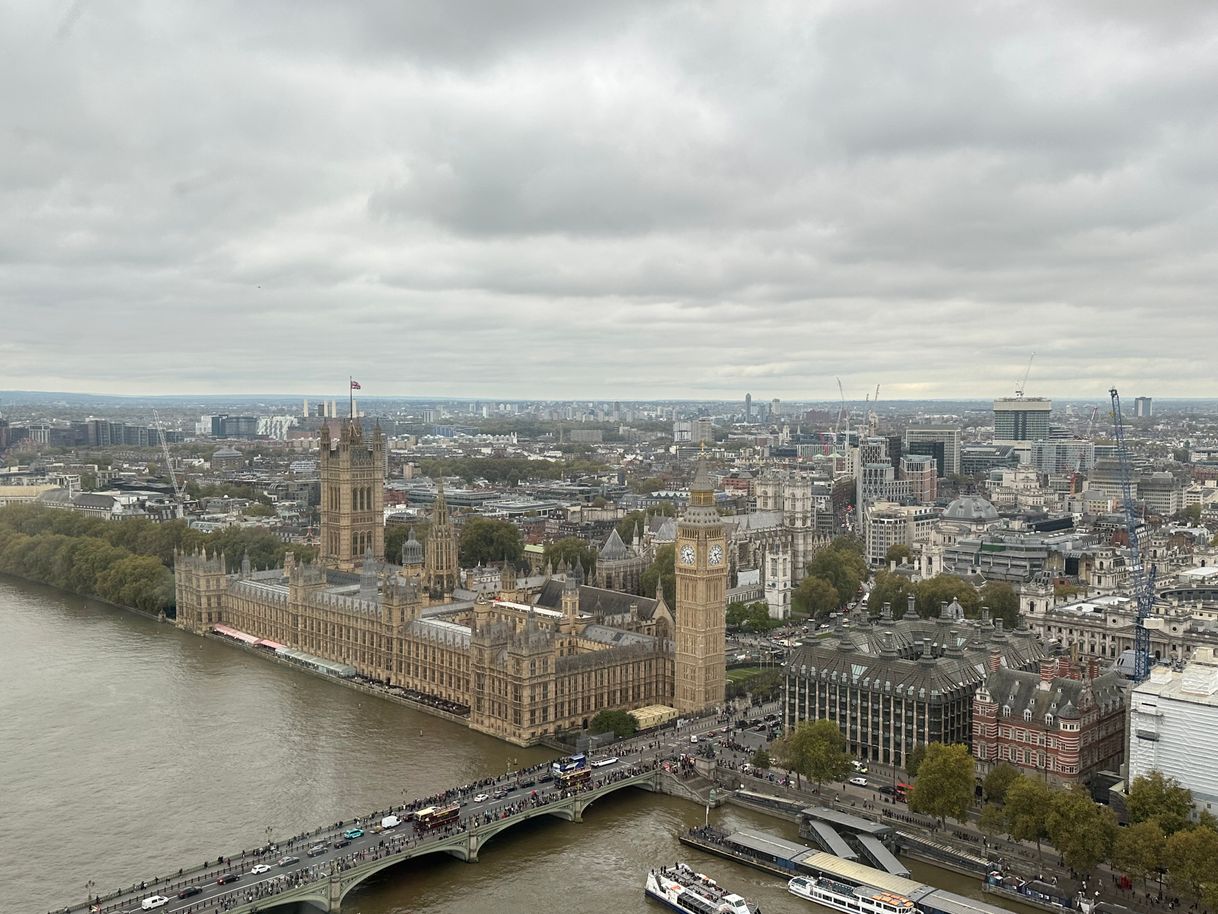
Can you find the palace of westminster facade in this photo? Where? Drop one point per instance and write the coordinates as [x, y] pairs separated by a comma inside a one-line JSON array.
[[524, 668]]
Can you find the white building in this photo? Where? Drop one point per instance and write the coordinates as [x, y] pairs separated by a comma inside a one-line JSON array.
[[1173, 727], [891, 525]]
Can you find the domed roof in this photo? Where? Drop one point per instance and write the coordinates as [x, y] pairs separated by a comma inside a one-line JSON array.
[[971, 509]]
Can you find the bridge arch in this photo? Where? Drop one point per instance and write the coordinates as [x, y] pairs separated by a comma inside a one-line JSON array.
[[352, 879]]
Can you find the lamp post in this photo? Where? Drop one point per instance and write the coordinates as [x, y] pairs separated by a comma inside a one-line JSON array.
[[89, 886], [710, 796]]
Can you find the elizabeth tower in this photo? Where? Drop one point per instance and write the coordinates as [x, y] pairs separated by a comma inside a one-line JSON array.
[[700, 673]]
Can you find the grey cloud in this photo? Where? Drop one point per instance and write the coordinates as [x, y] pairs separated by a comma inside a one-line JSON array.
[[652, 199]]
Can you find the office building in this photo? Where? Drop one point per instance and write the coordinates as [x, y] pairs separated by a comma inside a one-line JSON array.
[[921, 472], [1143, 407], [889, 525], [940, 442], [1021, 419]]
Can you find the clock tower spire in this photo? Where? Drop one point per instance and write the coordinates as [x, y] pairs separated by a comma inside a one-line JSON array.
[[701, 611]]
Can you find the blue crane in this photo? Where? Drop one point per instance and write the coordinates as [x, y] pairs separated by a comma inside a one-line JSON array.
[[1143, 578]]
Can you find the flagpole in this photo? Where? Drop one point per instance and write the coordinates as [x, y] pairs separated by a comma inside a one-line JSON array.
[[350, 398]]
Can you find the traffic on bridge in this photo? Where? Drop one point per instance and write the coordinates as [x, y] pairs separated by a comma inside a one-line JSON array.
[[245, 881]]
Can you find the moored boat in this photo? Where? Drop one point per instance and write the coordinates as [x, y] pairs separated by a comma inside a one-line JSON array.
[[684, 890], [841, 896]]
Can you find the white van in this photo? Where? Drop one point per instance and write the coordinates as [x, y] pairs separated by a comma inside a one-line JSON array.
[[390, 822], [153, 901]]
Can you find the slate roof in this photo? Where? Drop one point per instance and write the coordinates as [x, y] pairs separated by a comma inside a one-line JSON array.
[[614, 549], [596, 601], [1021, 691]]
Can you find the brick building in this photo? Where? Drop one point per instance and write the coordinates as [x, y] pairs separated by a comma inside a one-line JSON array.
[[1063, 722]]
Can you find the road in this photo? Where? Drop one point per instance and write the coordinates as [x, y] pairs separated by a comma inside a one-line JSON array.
[[515, 792]]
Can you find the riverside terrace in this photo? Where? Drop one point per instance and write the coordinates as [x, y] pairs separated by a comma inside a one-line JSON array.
[[322, 880]]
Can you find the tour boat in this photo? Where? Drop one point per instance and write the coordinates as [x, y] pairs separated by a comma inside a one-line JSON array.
[[839, 896], [681, 889]]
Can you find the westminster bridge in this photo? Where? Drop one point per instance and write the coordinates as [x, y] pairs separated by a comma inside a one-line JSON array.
[[334, 860]]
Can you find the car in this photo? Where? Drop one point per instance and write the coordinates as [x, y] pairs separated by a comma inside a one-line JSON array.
[[353, 833], [694, 738], [858, 781], [190, 891], [888, 790], [499, 794], [287, 861], [339, 842], [860, 767], [153, 901], [316, 850], [226, 878], [602, 762], [258, 869], [481, 797]]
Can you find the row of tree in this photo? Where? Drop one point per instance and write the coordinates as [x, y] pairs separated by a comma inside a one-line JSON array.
[[833, 578], [896, 589], [506, 470], [128, 561]]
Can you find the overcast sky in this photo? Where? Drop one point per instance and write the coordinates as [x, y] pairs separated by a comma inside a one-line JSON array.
[[522, 199]]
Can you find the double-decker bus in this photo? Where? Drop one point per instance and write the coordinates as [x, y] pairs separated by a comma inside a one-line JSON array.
[[575, 778], [569, 763], [436, 816], [902, 791]]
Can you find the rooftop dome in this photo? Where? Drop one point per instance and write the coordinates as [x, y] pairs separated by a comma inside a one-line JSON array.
[[971, 509], [412, 550]]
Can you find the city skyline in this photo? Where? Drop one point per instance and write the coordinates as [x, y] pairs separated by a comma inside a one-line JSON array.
[[609, 202]]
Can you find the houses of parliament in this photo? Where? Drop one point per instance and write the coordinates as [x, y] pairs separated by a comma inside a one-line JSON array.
[[525, 665]]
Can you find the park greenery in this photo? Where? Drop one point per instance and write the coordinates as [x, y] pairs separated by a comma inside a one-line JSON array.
[[751, 617], [815, 750], [763, 685], [895, 589], [662, 571], [127, 561], [486, 539], [619, 723]]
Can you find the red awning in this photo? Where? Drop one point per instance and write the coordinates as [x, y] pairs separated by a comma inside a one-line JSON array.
[[266, 642], [233, 633]]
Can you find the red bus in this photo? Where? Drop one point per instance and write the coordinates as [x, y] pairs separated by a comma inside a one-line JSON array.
[[436, 816], [902, 791]]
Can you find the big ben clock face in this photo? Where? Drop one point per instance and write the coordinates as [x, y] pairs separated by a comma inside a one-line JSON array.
[[716, 555], [687, 555]]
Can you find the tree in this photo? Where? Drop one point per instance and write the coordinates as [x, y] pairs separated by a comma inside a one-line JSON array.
[[1027, 809], [816, 750], [1065, 590], [1002, 601], [760, 759], [1083, 831], [572, 549], [913, 759], [998, 781], [815, 597], [1140, 849], [897, 552], [1154, 796], [1193, 857], [893, 589], [662, 570], [943, 588], [993, 820], [841, 564], [485, 540], [628, 524], [621, 724], [946, 781]]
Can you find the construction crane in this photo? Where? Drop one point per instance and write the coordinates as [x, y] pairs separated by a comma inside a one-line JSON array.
[[841, 414], [1023, 385], [1143, 578], [179, 501], [1078, 463]]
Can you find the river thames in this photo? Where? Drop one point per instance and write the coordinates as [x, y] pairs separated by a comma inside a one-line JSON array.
[[131, 749]]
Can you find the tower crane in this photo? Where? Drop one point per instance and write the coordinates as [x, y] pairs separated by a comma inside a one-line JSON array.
[[179, 500], [1078, 463], [1143, 578], [1023, 385], [841, 414]]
